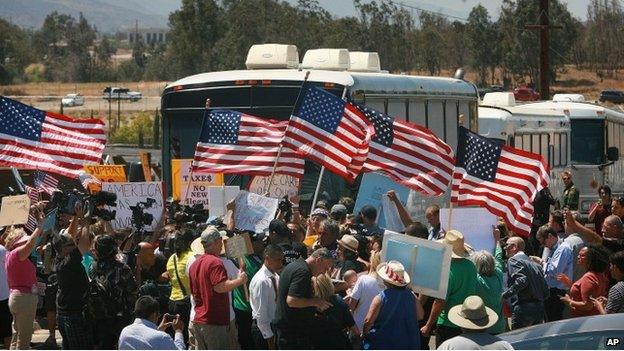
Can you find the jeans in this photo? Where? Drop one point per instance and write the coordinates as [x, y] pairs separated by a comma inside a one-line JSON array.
[[76, 331], [554, 306], [243, 324], [291, 340], [107, 331], [525, 314], [259, 341]]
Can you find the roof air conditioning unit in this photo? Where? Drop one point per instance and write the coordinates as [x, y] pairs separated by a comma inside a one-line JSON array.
[[364, 61], [326, 59], [499, 99], [569, 97], [263, 56]]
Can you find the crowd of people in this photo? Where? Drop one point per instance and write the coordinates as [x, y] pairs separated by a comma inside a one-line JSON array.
[[310, 282]]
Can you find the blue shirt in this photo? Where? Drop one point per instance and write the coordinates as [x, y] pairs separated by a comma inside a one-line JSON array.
[[143, 335], [561, 261]]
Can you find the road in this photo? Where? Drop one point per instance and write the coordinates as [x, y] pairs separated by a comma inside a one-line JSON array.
[[92, 103]]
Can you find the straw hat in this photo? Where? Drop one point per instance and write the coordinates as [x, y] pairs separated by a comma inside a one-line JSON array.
[[393, 273], [473, 314], [456, 239], [349, 242]]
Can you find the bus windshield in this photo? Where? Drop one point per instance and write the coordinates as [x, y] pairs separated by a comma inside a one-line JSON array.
[[588, 145]]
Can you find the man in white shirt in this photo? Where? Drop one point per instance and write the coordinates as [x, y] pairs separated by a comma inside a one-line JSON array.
[[143, 334], [262, 296]]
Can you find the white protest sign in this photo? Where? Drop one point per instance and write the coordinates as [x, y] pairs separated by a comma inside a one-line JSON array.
[[282, 185], [428, 263], [14, 210], [254, 212], [133, 194], [218, 197], [475, 223], [391, 213]]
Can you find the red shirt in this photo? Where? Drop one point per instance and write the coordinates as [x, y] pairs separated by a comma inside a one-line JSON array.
[[591, 284], [211, 307]]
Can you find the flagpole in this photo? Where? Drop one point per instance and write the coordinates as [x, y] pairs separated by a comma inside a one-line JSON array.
[[450, 219], [188, 185], [279, 151]]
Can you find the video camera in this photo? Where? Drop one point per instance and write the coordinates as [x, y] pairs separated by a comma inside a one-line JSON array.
[[139, 217], [92, 203], [182, 214]]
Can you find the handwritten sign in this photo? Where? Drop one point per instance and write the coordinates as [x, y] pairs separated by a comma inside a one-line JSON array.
[[107, 173], [238, 246], [475, 223], [14, 210], [373, 187], [219, 197], [254, 212], [282, 185], [191, 188], [427, 262], [131, 194]]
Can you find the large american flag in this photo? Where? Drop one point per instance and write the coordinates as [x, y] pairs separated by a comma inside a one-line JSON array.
[[409, 154], [234, 142], [34, 139], [329, 131], [500, 178]]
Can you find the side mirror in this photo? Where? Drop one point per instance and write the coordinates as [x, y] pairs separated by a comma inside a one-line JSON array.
[[613, 153]]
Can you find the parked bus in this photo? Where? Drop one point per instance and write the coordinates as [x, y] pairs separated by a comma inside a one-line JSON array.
[[270, 85]]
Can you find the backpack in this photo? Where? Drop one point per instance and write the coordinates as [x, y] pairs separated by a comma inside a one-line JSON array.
[[104, 300]]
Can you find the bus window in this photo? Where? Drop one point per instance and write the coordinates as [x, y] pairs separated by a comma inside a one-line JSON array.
[[588, 145], [544, 148], [451, 122], [464, 109], [377, 104], [564, 149], [396, 108], [557, 150], [526, 142], [417, 112], [611, 130], [435, 110], [518, 142], [535, 143]]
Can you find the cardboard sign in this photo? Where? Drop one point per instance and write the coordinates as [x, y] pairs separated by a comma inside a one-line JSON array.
[[14, 210], [131, 194], [254, 212], [372, 188], [238, 246], [145, 164], [427, 262], [107, 173], [219, 197], [191, 190], [475, 223], [282, 185]]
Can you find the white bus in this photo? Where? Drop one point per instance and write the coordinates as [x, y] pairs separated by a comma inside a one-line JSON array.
[[270, 85]]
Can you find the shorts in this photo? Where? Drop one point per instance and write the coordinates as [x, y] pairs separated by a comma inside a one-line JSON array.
[[6, 320]]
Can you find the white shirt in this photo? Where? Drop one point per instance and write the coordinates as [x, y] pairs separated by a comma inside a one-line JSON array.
[[262, 299], [4, 283], [232, 273], [364, 291], [188, 266], [475, 341], [143, 335]]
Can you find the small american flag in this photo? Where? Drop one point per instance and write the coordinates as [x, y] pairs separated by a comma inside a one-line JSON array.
[[33, 195], [409, 154], [46, 182], [234, 142], [329, 131], [34, 139], [87, 179], [502, 179]]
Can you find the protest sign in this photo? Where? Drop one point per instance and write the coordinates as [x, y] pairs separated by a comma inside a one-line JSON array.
[[254, 212], [107, 173], [391, 214], [282, 185], [238, 246], [372, 188], [133, 194], [427, 262], [14, 210], [146, 165], [219, 197], [475, 223], [191, 190]]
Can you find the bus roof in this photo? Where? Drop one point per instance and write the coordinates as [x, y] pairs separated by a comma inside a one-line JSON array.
[[579, 110], [525, 111]]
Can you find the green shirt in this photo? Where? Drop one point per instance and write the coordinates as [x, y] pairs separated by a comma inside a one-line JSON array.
[[490, 289], [571, 198], [461, 284], [252, 266]]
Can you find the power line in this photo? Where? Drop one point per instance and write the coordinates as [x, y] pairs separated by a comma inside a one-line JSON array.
[[430, 11]]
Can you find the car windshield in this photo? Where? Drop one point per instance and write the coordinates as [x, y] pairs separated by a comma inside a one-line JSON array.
[[588, 145]]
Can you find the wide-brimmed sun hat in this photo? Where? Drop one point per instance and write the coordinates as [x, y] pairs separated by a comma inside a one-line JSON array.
[[393, 272], [455, 239], [472, 314], [349, 242]]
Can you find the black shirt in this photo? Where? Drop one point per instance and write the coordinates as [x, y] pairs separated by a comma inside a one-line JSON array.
[[73, 283], [346, 265], [332, 323], [613, 245], [155, 271], [295, 280], [292, 253]]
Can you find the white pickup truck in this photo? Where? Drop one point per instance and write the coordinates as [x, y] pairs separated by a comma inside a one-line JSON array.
[[117, 93], [73, 100]]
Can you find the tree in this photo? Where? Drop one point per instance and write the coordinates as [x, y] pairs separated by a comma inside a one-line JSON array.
[[15, 52], [481, 36]]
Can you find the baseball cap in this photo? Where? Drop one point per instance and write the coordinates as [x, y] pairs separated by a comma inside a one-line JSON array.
[[319, 212], [279, 227], [339, 209]]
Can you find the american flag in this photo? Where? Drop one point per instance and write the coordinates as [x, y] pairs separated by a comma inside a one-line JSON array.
[[87, 180], [234, 142], [33, 195], [409, 154], [34, 139], [329, 131], [46, 182], [502, 179]]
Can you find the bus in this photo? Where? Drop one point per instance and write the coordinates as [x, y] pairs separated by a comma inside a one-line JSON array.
[[271, 83], [594, 144]]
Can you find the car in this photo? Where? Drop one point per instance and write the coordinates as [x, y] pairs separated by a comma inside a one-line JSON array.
[[602, 332], [118, 93], [72, 100], [526, 94], [614, 96]]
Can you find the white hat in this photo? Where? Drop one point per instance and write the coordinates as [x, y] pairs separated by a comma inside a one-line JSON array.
[[393, 273], [472, 314], [456, 240]]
